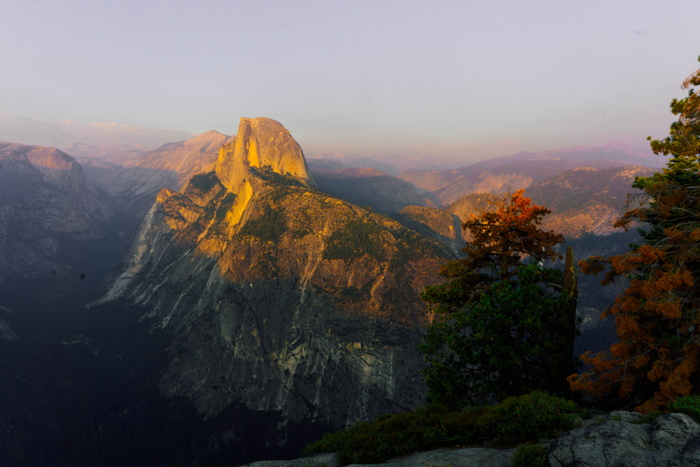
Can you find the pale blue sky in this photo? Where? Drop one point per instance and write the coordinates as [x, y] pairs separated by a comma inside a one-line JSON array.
[[463, 79]]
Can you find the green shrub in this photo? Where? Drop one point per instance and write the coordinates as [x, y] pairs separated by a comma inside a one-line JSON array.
[[689, 405], [529, 418], [515, 420], [530, 455]]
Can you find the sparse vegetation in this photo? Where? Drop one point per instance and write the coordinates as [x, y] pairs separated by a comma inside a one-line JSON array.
[[204, 181], [273, 178], [530, 455], [689, 405], [268, 226], [355, 239]]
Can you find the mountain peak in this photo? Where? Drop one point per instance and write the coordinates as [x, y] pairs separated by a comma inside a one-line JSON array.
[[261, 142], [211, 136]]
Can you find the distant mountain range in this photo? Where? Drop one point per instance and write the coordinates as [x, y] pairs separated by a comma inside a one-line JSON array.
[[523, 170]]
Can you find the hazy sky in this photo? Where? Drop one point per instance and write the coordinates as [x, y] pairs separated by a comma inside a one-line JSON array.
[[462, 78]]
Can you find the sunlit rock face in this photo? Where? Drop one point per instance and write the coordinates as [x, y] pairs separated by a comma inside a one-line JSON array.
[[277, 296], [44, 202], [261, 142]]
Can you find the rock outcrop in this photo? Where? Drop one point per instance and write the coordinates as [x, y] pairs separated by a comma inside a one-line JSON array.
[[457, 457], [277, 296], [261, 142], [622, 439], [617, 439]]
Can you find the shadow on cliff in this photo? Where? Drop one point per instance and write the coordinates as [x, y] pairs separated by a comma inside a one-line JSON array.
[[92, 399]]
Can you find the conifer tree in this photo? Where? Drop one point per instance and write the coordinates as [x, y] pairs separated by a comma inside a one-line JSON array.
[[658, 322], [501, 326]]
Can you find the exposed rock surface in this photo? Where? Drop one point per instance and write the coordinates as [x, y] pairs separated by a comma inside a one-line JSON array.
[[261, 142], [443, 226], [458, 457], [470, 205], [277, 296], [621, 440], [618, 439], [44, 201]]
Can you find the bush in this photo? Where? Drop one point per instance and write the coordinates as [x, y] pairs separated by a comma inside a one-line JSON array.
[[689, 405], [530, 455], [515, 420], [529, 418]]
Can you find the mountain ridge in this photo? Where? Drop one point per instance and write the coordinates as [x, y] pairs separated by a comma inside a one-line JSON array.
[[265, 285]]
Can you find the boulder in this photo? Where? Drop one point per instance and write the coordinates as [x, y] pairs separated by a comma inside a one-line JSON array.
[[622, 439]]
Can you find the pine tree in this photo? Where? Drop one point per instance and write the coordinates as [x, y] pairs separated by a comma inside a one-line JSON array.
[[501, 325], [658, 325]]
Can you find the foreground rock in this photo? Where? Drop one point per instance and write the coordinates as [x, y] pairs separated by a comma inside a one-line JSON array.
[[618, 439], [621, 440], [464, 457]]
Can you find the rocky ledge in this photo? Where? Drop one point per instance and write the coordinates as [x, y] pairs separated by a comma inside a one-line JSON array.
[[618, 439]]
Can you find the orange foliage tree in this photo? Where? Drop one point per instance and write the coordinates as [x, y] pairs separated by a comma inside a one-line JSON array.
[[503, 325], [658, 321]]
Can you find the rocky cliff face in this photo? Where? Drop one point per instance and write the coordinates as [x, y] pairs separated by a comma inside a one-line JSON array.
[[443, 226], [277, 296], [44, 201]]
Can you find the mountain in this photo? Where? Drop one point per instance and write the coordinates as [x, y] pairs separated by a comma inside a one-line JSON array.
[[44, 204], [584, 200], [523, 169], [473, 203], [442, 226], [588, 200], [136, 182], [277, 298], [369, 187]]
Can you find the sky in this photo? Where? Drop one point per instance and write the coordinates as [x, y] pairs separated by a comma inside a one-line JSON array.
[[457, 79]]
